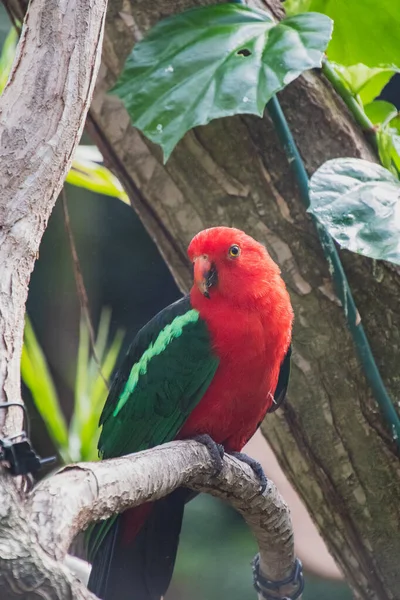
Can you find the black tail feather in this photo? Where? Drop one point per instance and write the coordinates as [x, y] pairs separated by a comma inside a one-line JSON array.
[[98, 580], [143, 569]]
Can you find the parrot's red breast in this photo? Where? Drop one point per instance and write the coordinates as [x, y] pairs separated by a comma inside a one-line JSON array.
[[249, 315]]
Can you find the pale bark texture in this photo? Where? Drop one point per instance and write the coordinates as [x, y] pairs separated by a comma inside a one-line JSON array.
[[330, 436], [36, 533], [66, 503], [42, 114]]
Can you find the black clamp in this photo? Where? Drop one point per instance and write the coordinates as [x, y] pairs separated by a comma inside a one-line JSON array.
[[19, 455], [264, 586]]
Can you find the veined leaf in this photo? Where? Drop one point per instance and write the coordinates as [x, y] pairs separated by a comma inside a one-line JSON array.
[[365, 32], [358, 202], [386, 149], [213, 62], [365, 82]]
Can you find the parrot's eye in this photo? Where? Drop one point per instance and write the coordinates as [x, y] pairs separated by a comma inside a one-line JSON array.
[[234, 251]]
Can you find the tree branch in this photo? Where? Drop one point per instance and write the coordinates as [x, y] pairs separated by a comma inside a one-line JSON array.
[[66, 503], [42, 114]]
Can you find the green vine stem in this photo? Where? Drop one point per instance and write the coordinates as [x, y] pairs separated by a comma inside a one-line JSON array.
[[336, 268]]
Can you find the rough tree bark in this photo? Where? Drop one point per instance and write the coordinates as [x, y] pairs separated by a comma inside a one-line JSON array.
[[42, 114], [36, 534], [330, 437]]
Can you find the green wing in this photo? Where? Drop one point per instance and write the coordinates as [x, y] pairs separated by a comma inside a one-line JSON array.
[[167, 370]]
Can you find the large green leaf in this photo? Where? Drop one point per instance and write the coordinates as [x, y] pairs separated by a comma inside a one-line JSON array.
[[366, 31], [359, 204], [213, 62], [365, 82]]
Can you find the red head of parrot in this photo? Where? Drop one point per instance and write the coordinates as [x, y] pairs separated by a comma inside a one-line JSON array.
[[231, 265]]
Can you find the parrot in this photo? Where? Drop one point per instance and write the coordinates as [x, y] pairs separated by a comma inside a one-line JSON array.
[[209, 367]]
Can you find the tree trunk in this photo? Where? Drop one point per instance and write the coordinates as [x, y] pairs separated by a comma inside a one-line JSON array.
[[330, 437], [42, 115]]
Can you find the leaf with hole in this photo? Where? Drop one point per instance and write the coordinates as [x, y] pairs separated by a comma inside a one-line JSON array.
[[359, 204], [214, 62]]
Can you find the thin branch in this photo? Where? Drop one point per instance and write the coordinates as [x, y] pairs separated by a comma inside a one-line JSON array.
[[66, 503], [80, 284]]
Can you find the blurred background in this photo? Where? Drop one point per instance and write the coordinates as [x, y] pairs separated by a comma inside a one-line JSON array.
[[127, 282]]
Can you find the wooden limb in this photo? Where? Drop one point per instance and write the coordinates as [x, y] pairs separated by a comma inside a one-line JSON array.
[[42, 114], [62, 505]]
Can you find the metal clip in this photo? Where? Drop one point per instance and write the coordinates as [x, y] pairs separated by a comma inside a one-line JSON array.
[[20, 456], [263, 586]]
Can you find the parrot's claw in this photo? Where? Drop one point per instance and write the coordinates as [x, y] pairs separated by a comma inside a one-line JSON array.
[[257, 468], [216, 451]]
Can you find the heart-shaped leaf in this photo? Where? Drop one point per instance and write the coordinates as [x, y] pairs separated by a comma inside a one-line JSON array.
[[359, 204], [213, 62]]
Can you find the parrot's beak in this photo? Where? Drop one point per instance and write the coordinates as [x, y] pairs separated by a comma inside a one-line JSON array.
[[205, 274]]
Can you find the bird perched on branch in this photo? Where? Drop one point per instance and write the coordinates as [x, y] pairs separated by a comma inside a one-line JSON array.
[[209, 366]]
